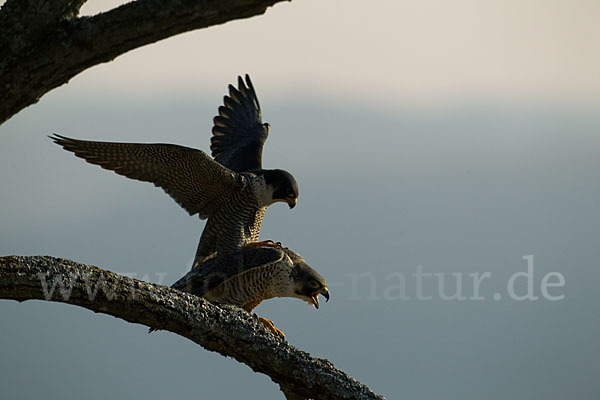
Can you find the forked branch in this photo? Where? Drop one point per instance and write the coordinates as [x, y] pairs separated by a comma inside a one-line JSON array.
[[43, 44]]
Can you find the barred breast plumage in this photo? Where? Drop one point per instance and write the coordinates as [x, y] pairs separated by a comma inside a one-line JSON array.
[[248, 276]]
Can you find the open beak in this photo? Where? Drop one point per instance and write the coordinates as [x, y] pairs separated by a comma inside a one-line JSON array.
[[314, 299], [292, 201]]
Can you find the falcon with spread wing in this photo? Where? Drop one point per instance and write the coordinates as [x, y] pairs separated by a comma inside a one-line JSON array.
[[232, 190]]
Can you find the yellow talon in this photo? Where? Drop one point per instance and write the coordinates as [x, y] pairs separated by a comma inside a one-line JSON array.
[[269, 325], [264, 243]]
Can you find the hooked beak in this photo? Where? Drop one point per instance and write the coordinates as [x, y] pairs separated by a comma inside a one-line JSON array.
[[325, 293], [292, 201], [315, 300]]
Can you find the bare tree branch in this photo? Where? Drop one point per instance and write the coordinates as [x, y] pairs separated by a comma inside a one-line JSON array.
[[43, 44], [227, 330]]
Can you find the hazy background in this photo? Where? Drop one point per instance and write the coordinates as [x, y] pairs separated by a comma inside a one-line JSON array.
[[459, 136]]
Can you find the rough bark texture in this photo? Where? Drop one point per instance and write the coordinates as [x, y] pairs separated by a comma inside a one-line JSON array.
[[226, 330], [43, 44]]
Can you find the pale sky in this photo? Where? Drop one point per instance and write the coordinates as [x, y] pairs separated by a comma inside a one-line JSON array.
[[384, 189], [398, 51]]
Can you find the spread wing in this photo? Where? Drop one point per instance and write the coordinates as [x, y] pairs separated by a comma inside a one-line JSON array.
[[238, 132], [193, 179], [210, 274]]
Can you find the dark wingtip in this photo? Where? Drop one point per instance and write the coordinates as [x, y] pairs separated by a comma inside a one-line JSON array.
[[58, 139], [250, 85]]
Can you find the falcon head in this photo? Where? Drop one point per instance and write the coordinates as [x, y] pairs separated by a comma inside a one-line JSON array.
[[308, 284], [282, 186]]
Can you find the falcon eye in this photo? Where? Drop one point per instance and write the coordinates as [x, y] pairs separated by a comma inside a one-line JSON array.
[[313, 284]]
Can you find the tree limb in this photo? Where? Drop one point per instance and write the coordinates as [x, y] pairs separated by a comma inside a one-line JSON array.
[[43, 44], [227, 330]]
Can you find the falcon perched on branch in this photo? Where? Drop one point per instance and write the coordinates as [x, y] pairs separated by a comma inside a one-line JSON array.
[[248, 276], [232, 190]]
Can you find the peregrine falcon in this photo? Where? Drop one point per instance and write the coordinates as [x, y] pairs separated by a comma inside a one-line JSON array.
[[248, 276], [232, 190], [237, 143]]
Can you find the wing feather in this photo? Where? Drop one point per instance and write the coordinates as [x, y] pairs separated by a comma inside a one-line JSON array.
[[211, 273], [190, 176], [238, 132]]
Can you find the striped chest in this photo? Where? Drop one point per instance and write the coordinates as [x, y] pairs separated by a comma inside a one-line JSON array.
[[248, 289], [238, 219]]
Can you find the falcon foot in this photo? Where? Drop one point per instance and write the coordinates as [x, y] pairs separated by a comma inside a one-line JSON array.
[[269, 325], [264, 243]]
